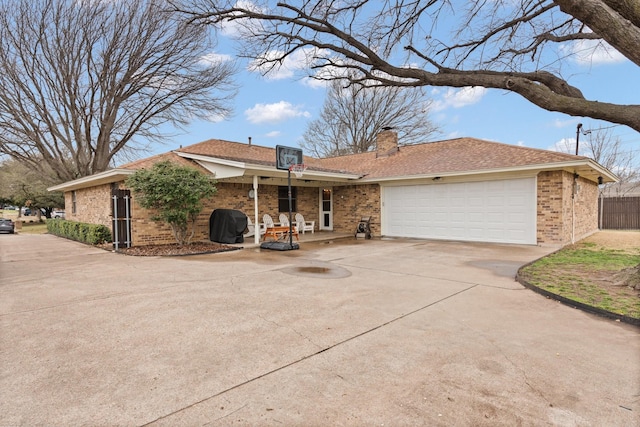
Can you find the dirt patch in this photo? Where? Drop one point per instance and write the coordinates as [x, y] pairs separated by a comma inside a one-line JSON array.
[[176, 250], [622, 240]]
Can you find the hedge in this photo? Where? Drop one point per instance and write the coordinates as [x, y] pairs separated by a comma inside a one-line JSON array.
[[93, 234]]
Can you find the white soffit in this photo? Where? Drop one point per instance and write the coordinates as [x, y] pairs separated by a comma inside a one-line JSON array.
[[221, 171], [220, 168]]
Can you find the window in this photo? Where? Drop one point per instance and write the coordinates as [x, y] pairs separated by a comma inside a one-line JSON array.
[[73, 201], [283, 199]]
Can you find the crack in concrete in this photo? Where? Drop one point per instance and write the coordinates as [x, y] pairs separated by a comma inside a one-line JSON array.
[[522, 371], [291, 329], [309, 356]]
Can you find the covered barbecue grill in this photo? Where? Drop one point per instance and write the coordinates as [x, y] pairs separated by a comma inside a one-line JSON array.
[[227, 226]]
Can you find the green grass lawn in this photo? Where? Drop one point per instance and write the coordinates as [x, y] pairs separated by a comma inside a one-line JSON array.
[[589, 274]]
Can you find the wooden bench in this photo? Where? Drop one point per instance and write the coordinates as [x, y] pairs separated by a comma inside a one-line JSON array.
[[279, 232]]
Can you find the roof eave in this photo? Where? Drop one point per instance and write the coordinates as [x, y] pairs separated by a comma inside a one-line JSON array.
[[575, 166], [106, 177], [268, 170]]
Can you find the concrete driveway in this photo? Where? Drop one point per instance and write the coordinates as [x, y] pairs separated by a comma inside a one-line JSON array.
[[361, 332]]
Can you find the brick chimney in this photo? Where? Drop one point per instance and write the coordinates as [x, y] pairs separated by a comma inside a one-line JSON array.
[[386, 142]]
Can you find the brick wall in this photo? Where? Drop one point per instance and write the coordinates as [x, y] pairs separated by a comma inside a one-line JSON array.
[[93, 205], [586, 208], [556, 208], [229, 196], [387, 142], [144, 231], [351, 203], [236, 196]]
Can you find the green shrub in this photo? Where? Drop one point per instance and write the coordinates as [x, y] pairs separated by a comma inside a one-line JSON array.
[[93, 234]]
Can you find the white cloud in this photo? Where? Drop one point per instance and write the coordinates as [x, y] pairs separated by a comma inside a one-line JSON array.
[[315, 83], [216, 118], [301, 59], [240, 27], [521, 144], [565, 145], [213, 58], [592, 52], [274, 113], [273, 134], [565, 123], [458, 98]]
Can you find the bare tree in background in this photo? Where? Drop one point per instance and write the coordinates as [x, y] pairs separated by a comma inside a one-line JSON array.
[[82, 81], [610, 153], [352, 116], [518, 46], [601, 146]]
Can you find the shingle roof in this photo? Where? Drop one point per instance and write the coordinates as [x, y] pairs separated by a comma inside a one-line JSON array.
[[455, 155], [450, 157], [236, 151], [150, 161], [442, 157], [247, 153]]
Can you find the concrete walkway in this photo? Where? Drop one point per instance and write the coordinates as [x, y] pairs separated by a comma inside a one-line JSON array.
[[343, 332]]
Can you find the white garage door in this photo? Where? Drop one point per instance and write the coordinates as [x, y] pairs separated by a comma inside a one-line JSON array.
[[486, 211]]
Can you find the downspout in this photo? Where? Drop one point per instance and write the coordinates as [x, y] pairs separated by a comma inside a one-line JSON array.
[[601, 196], [573, 207], [256, 221], [573, 219]]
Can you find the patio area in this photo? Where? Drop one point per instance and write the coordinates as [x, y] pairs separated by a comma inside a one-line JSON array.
[[307, 237]]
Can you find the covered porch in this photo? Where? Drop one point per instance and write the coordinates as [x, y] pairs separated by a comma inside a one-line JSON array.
[[259, 190]]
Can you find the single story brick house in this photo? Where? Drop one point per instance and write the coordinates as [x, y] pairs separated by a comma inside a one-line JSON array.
[[460, 189]]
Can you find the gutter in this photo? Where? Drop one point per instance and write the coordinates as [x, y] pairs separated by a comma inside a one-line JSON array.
[[571, 166], [106, 177]]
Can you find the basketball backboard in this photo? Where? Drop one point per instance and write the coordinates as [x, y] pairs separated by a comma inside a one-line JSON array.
[[287, 156]]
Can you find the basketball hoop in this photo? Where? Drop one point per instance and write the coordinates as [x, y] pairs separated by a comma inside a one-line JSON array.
[[298, 169]]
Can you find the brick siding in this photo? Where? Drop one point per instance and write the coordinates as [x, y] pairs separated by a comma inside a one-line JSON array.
[[350, 203], [93, 205], [555, 208]]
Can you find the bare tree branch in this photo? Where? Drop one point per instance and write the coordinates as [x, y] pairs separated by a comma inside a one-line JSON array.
[[601, 146], [515, 46], [83, 80], [352, 116]]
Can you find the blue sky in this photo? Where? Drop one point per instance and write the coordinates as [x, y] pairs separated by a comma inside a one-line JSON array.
[[275, 109]]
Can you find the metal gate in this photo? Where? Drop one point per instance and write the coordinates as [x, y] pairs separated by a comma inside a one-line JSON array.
[[121, 222]]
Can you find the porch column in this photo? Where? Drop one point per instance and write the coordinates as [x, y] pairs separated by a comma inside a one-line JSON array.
[[256, 220]]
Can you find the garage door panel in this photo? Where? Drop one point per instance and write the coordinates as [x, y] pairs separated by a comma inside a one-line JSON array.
[[492, 211], [495, 218]]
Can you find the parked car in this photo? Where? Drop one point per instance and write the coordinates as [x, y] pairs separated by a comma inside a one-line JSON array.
[[7, 226], [57, 214], [26, 211]]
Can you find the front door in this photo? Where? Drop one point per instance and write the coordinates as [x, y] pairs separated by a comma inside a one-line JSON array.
[[326, 209]]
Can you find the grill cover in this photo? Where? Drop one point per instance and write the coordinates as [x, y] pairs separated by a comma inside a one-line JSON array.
[[227, 226]]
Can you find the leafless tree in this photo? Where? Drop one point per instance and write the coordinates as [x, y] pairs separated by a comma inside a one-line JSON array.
[[84, 80], [352, 117], [518, 46], [602, 147]]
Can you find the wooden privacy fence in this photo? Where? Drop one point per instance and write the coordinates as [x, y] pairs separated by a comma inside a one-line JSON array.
[[619, 213]]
